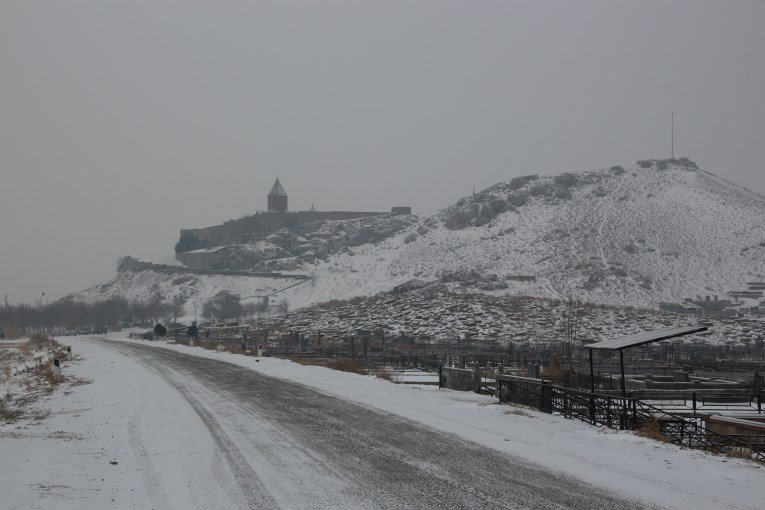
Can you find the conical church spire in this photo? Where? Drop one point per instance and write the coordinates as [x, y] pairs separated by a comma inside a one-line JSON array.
[[277, 190], [277, 198]]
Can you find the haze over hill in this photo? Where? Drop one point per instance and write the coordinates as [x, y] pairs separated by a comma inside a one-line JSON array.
[[123, 122], [661, 230]]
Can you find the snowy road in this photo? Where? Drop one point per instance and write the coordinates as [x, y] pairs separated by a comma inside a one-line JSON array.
[[155, 425], [279, 444]]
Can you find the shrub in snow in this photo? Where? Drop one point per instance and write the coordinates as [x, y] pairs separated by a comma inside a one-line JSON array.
[[160, 330], [412, 236], [519, 182], [223, 305]]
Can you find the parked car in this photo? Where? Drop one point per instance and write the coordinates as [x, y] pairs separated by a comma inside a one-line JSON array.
[[70, 332], [100, 330], [85, 331]]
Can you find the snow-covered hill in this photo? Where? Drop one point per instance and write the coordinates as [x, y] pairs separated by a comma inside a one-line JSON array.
[[661, 230]]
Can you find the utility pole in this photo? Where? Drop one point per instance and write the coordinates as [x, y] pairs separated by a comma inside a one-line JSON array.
[[42, 312], [8, 318]]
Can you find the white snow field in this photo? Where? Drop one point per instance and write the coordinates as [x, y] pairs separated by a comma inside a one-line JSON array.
[[179, 444]]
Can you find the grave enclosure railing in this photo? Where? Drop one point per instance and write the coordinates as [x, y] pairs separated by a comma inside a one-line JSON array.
[[623, 413], [698, 400]]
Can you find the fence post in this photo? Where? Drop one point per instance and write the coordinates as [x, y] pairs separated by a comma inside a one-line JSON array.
[[440, 371], [694, 403], [592, 408], [608, 411], [759, 403], [626, 404], [634, 413], [56, 367], [541, 395], [546, 397]]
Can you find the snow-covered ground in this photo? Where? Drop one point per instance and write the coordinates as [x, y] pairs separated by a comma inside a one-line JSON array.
[[129, 414], [637, 236], [125, 415], [27, 374]]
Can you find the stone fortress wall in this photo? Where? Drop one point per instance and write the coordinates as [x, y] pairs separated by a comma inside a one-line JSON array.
[[235, 231], [197, 247], [129, 264]]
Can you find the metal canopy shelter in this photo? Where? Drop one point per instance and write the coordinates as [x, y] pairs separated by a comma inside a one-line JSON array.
[[625, 342]]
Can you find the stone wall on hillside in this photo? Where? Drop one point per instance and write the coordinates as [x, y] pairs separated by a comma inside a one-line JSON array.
[[200, 259], [129, 264], [234, 231]]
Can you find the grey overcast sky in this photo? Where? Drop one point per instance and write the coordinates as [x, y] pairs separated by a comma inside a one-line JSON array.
[[121, 122]]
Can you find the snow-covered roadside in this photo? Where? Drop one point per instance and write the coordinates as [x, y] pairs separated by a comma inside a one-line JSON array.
[[653, 472], [162, 452], [26, 374]]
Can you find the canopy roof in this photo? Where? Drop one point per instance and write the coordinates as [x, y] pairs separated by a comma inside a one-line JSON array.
[[646, 337], [277, 190]]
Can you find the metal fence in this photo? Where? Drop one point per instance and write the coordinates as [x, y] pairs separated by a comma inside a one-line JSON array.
[[622, 413], [697, 401]]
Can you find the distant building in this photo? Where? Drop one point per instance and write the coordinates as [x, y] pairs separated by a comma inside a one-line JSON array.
[[277, 198], [197, 246]]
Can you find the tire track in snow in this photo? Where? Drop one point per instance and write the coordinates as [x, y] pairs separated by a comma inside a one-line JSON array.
[[254, 492], [149, 474]]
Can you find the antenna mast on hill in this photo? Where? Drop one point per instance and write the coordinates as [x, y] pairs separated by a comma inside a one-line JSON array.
[[8, 319], [673, 135]]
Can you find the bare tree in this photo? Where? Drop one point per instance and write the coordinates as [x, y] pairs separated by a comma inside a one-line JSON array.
[[178, 307], [256, 310], [223, 305]]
